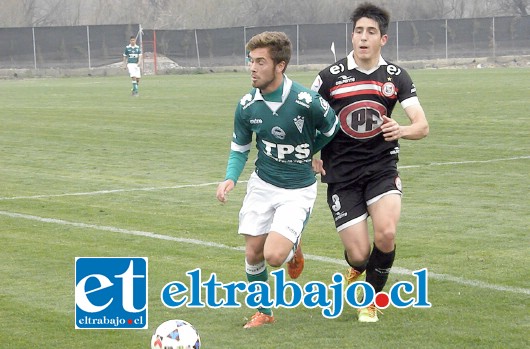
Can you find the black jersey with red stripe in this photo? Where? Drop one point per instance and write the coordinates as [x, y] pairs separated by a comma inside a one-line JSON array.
[[359, 99]]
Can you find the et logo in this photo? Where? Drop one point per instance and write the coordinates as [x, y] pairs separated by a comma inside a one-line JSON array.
[[111, 293]]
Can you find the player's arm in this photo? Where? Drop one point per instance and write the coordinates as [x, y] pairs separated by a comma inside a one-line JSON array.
[[236, 164], [124, 61], [318, 87], [320, 142], [239, 150], [327, 125], [417, 129]]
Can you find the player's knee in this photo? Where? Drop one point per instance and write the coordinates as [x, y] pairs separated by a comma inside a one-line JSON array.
[[253, 256], [357, 255], [385, 237], [274, 258]]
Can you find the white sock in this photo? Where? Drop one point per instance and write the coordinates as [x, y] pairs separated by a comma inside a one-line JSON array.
[[289, 256], [254, 269]]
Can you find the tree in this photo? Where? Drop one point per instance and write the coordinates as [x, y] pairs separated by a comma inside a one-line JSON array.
[[518, 7], [193, 14]]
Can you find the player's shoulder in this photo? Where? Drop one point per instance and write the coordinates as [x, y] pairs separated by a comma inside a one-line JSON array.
[[334, 69], [303, 94], [392, 68], [297, 87], [247, 99]]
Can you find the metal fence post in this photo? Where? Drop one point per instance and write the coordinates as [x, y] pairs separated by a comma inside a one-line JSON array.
[[297, 44], [397, 41], [197, 45], [88, 46], [446, 40], [493, 36], [34, 49]]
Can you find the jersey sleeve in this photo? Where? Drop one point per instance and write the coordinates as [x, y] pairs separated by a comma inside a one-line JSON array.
[[317, 87], [407, 90], [239, 147], [242, 136], [327, 123], [236, 164]]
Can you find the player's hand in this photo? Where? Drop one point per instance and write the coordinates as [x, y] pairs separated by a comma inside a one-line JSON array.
[[318, 166], [391, 129], [223, 189]]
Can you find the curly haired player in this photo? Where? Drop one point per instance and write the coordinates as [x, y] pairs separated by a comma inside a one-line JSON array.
[[291, 124]]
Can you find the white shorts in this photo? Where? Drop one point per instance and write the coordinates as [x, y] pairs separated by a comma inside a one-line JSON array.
[[134, 70], [269, 208]]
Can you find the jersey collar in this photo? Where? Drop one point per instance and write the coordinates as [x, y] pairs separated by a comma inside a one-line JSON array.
[[352, 65]]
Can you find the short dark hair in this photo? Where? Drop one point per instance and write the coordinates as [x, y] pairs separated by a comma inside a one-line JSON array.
[[278, 44], [132, 37], [378, 14]]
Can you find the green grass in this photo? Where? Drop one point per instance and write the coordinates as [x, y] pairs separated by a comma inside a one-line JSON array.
[[81, 150]]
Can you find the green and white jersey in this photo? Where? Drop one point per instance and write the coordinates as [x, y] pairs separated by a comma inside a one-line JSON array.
[[288, 133], [132, 53]]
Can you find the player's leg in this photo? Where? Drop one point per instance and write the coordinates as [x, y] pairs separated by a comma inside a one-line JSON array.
[[255, 219], [278, 249], [356, 242], [255, 267], [385, 213], [348, 206], [130, 69], [133, 73], [256, 270], [283, 245], [134, 86], [384, 208], [137, 76]]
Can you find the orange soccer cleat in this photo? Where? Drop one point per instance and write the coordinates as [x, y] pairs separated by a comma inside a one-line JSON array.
[[259, 319], [296, 265]]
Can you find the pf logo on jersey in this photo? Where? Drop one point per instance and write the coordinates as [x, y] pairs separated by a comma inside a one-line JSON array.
[[362, 119]]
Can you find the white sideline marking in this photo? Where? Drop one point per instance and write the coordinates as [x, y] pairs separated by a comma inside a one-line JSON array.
[[396, 270], [466, 162], [111, 191]]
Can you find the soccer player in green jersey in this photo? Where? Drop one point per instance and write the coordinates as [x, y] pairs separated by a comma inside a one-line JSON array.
[[131, 61], [291, 124]]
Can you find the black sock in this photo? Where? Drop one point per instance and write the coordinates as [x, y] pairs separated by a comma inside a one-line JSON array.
[[359, 268], [378, 268]]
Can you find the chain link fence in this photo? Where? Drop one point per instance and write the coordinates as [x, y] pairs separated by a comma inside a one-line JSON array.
[[102, 46]]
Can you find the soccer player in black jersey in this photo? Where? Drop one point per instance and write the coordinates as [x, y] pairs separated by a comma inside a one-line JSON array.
[[360, 163]]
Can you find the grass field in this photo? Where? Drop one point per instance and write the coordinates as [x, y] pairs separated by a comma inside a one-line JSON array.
[[86, 170]]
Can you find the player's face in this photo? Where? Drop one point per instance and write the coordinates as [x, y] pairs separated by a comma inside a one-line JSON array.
[[264, 74], [132, 41], [367, 42]]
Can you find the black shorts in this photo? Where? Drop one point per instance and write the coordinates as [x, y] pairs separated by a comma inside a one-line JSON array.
[[349, 201]]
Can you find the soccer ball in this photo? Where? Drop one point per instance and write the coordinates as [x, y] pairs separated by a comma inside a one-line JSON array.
[[176, 334]]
